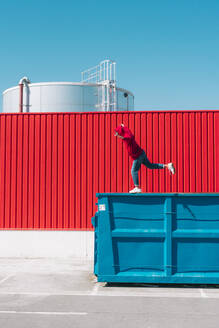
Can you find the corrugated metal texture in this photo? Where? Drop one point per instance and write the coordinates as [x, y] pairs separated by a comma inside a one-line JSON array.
[[157, 238], [52, 165]]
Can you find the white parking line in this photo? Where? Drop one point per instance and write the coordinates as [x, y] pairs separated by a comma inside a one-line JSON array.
[[203, 294], [97, 292], [6, 278], [44, 313]]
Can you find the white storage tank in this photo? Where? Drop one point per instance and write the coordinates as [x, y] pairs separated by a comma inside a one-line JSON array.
[[85, 96]]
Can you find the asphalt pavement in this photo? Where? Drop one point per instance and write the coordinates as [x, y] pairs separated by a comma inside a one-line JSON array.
[[64, 293]]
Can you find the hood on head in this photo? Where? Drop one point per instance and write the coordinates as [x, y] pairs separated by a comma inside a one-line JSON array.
[[120, 131]]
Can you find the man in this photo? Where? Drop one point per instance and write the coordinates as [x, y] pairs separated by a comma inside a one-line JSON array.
[[138, 155]]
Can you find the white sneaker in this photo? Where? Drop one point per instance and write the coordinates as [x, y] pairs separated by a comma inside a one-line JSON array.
[[171, 168], [136, 190]]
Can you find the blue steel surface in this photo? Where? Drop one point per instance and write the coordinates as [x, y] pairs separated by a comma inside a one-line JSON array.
[[161, 238]]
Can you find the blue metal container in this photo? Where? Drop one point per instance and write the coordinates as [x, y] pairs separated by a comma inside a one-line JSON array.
[[157, 238]]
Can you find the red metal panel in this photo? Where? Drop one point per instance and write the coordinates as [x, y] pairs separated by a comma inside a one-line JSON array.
[[25, 172], [54, 170], [31, 173], [113, 154], [42, 172], [137, 136], [107, 154], [14, 172], [102, 151], [180, 158], [66, 168], [52, 165], [84, 163], [132, 127], [210, 152], [186, 158], [204, 153], [149, 150], [216, 151], [144, 146], [8, 173], [19, 221], [60, 171], [95, 148], [192, 163], [161, 151], [78, 153], [168, 177], [198, 151], [126, 172], [155, 152], [90, 155], [72, 178], [48, 166], [119, 165], [2, 170], [174, 149]]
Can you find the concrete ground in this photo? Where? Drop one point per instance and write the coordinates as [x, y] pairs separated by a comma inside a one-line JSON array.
[[64, 293]]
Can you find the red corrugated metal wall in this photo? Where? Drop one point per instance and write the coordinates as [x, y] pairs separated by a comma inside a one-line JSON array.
[[52, 165]]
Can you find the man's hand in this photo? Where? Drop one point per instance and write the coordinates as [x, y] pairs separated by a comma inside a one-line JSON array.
[[122, 125]]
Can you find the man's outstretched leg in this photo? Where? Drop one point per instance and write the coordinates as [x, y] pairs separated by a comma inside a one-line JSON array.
[[142, 159], [150, 165]]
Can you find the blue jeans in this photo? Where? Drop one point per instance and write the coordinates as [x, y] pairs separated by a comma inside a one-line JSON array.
[[142, 159]]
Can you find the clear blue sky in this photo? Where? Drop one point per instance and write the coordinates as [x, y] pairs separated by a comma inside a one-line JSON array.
[[167, 52]]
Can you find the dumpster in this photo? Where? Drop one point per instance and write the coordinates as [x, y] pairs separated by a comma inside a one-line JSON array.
[[157, 238]]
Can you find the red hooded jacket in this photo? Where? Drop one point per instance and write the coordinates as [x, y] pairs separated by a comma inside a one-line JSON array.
[[134, 150]]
